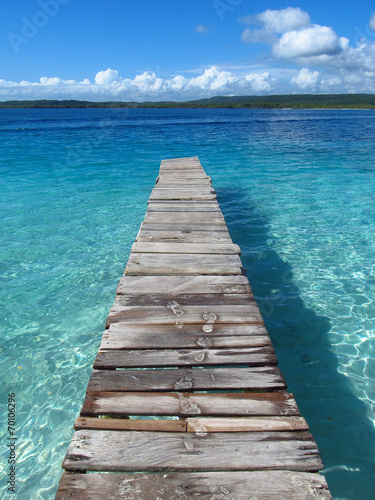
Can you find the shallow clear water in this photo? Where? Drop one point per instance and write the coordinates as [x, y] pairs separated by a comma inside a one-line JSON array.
[[297, 189]]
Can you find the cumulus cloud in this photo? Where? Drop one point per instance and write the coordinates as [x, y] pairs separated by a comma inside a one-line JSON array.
[[314, 41], [146, 86], [307, 80], [284, 20], [106, 77], [326, 61], [261, 83], [274, 22]]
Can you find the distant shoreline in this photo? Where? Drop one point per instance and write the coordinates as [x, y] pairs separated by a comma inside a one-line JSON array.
[[286, 102]]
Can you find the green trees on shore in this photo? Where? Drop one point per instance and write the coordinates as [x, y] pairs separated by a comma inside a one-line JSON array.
[[295, 101]]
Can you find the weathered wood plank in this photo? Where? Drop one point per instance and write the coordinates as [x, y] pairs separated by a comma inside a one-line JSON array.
[[168, 263], [182, 315], [182, 183], [192, 299], [259, 485], [122, 424], [187, 379], [176, 206], [181, 174], [184, 285], [181, 167], [249, 356], [188, 336], [171, 194], [195, 424], [190, 404], [190, 248], [182, 186], [248, 424], [186, 228], [180, 218], [175, 451], [183, 236]]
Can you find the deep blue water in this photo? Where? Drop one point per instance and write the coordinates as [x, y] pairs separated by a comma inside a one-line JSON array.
[[297, 189]]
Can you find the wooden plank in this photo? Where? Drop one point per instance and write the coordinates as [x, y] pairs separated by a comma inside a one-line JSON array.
[[192, 299], [182, 315], [122, 424], [184, 285], [249, 424], [184, 236], [256, 485], [188, 336], [187, 379], [194, 174], [181, 167], [186, 228], [248, 356], [191, 248], [194, 424], [200, 186], [169, 263], [176, 451], [176, 206], [171, 194], [182, 182], [180, 218], [190, 404]]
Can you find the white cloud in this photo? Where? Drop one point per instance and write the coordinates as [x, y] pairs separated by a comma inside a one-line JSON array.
[[307, 80], [145, 86], [261, 83], [213, 79], [274, 22], [308, 42], [106, 77], [325, 61], [202, 29], [281, 21]]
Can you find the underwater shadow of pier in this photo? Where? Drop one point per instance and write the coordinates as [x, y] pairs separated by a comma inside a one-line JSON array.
[[337, 418]]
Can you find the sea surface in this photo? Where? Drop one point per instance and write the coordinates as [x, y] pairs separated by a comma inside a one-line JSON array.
[[297, 189]]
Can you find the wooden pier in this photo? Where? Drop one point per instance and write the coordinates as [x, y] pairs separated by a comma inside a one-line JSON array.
[[185, 400]]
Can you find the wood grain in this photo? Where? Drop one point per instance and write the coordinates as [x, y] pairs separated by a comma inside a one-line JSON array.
[[126, 424], [185, 227], [187, 206], [182, 194], [189, 299], [184, 285], [175, 451], [184, 236], [187, 379], [190, 248], [143, 358], [190, 404], [133, 336], [182, 315], [259, 485], [170, 263], [248, 424]]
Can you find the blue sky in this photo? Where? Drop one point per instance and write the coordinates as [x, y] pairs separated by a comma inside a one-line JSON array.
[[184, 49]]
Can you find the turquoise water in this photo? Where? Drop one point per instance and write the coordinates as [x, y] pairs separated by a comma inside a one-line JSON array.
[[297, 189]]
